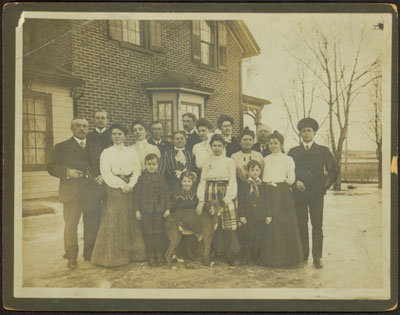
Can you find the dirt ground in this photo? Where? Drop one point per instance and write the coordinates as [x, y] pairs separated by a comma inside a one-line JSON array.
[[352, 255]]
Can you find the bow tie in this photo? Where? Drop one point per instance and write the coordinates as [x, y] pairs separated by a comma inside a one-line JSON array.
[[257, 181], [254, 186]]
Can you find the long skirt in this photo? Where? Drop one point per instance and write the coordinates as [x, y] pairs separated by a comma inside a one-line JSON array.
[[225, 240], [119, 240], [281, 242]]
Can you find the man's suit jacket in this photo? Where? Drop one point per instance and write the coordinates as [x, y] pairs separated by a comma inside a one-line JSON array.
[[192, 139], [316, 168], [265, 152], [69, 154], [101, 139], [232, 147], [163, 146]]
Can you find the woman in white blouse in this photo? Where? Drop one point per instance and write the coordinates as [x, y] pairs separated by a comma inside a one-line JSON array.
[[119, 239], [141, 145], [218, 182], [202, 151], [281, 245]]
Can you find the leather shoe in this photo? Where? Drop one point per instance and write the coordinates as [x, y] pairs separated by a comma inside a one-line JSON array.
[[72, 264], [318, 264]]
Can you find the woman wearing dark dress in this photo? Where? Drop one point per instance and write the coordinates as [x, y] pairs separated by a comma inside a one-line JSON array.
[[119, 240], [177, 160], [225, 124], [281, 246]]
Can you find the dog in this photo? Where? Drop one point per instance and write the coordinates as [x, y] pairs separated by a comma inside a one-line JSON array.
[[185, 221]]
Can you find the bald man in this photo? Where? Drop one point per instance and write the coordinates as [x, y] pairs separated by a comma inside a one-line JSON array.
[[263, 131], [76, 163]]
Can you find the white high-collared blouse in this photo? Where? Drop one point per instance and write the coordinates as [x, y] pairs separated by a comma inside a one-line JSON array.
[[279, 168], [119, 160]]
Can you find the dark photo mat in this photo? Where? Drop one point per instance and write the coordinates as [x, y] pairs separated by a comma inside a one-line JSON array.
[[11, 16]]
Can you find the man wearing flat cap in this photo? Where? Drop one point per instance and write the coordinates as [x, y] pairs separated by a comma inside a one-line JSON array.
[[316, 170]]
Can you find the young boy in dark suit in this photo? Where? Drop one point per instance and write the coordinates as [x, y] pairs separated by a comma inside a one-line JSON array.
[[251, 212], [316, 170], [151, 205]]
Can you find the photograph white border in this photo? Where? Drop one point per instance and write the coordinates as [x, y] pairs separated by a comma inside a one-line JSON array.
[[113, 293]]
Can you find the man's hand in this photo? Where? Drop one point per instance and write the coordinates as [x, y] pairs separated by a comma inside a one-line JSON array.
[[268, 220], [126, 188], [73, 173], [243, 220], [166, 213], [300, 185], [99, 180], [199, 208], [138, 215]]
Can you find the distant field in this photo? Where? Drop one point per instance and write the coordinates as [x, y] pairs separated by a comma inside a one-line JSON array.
[[360, 172]]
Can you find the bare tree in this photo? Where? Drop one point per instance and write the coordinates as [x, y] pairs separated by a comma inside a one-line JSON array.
[[299, 100], [375, 120], [341, 80]]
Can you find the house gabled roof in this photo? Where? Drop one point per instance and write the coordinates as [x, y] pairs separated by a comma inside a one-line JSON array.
[[244, 38]]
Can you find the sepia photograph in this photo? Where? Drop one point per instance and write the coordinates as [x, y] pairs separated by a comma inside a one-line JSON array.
[[203, 155]]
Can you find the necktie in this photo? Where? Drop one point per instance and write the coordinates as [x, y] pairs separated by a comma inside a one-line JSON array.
[[180, 157], [82, 144], [307, 147]]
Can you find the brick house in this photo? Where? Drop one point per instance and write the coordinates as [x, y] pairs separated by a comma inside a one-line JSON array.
[[134, 70]]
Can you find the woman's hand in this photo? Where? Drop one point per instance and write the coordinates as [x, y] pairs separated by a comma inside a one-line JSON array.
[[126, 188], [138, 216], [243, 220], [166, 213], [268, 220], [199, 208]]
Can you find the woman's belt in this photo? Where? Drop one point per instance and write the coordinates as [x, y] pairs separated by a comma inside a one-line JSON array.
[[217, 181]]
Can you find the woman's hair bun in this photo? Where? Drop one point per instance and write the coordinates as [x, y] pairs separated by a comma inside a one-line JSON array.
[[276, 132]]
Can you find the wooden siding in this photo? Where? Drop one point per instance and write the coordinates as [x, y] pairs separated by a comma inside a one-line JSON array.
[[39, 184]]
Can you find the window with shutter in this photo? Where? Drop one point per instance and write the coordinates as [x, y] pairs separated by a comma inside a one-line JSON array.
[[222, 43], [196, 41], [209, 43], [155, 35]]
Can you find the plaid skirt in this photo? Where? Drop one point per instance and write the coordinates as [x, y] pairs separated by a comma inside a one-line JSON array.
[[216, 190]]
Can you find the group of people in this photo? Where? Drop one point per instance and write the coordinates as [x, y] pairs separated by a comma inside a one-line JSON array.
[[128, 193]]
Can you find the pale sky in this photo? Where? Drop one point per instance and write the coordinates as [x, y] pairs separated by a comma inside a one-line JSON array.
[[268, 74]]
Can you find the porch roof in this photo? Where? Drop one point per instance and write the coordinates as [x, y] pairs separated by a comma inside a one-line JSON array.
[[173, 80], [36, 68]]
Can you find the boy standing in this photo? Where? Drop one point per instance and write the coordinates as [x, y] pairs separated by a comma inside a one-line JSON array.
[[251, 212], [151, 204]]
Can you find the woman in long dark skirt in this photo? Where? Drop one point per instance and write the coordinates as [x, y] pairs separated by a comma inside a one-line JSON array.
[[119, 240], [281, 246]]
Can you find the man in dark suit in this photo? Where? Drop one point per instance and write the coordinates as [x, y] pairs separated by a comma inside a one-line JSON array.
[[76, 163], [189, 123], [157, 137], [263, 132], [316, 171], [100, 135]]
